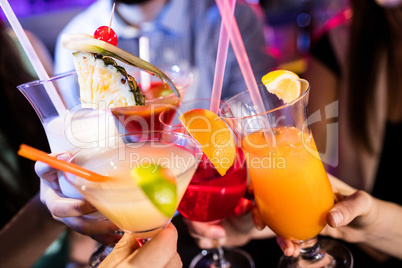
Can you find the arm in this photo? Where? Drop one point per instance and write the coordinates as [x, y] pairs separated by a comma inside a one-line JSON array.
[[26, 237], [362, 218], [323, 92]]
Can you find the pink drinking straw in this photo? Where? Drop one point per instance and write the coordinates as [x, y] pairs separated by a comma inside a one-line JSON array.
[[221, 56], [232, 28], [238, 46], [33, 57]]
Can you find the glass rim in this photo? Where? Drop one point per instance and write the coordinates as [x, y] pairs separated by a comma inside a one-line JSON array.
[[181, 88], [51, 79], [198, 145], [285, 105], [221, 102], [197, 155]]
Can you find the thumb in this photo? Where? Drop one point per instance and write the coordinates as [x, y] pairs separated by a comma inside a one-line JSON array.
[[126, 246], [353, 206]]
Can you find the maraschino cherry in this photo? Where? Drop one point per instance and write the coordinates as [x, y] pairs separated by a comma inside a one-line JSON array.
[[105, 33]]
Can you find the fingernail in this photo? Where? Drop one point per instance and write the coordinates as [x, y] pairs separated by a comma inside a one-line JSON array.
[[284, 249], [63, 156], [259, 225], [219, 233], [336, 216]]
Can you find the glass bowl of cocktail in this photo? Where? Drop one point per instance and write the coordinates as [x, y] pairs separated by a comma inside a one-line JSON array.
[[82, 127], [106, 82], [92, 107], [291, 187], [219, 183], [159, 97], [149, 173]]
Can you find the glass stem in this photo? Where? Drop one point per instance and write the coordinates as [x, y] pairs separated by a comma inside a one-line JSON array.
[[219, 256], [310, 250]]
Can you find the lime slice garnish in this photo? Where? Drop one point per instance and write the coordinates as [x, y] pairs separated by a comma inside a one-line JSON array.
[[159, 185]]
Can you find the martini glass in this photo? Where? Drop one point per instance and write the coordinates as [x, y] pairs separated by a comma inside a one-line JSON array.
[[291, 187], [211, 197], [83, 127], [121, 199]]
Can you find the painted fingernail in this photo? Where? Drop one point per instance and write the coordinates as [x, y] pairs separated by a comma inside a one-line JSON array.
[[336, 216]]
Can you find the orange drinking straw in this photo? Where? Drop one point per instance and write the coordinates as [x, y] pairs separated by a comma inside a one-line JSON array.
[[38, 155]]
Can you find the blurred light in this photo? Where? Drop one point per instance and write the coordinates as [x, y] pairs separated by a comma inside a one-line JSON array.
[[303, 19]]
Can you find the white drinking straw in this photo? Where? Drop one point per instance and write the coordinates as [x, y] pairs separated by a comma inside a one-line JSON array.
[[33, 57], [144, 54]]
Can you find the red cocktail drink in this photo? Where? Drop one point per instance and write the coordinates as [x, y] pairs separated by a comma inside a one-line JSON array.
[[210, 196], [159, 97]]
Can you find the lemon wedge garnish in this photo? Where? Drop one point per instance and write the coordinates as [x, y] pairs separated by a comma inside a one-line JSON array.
[[284, 84]]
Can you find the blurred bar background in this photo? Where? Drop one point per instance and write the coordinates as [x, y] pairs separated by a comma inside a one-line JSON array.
[[290, 24]]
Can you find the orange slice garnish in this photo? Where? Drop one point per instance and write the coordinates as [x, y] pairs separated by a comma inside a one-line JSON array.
[[214, 135]]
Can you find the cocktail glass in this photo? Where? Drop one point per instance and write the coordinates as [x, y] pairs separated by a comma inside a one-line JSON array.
[[158, 98], [291, 187], [211, 197], [83, 127], [121, 199], [77, 128]]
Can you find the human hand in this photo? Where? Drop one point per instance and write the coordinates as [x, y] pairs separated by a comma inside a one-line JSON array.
[[160, 251], [209, 234], [233, 231], [71, 211], [350, 218]]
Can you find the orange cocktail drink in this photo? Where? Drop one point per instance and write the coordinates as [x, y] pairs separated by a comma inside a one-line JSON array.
[[291, 187], [292, 191]]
